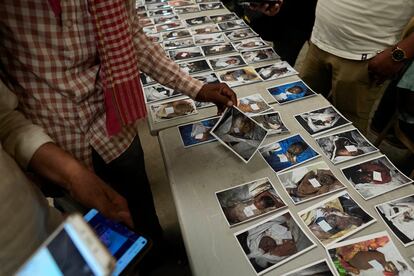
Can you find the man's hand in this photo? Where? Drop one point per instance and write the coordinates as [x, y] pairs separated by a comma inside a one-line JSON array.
[[218, 93], [383, 67], [267, 8]]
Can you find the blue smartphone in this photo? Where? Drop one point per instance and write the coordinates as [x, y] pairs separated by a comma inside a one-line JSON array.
[[124, 245]]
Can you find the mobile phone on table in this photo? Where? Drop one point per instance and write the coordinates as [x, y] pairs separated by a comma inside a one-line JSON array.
[[72, 249], [126, 246]]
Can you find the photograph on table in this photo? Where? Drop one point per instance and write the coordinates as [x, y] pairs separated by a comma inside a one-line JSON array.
[[232, 25], [309, 182], [272, 122], [164, 12], [211, 6], [155, 37], [241, 34], [178, 43], [277, 71], [140, 8], [398, 214], [158, 6], [290, 91], [321, 120], [250, 44], [273, 242], [239, 133], [218, 49], [237, 77], [165, 19], [248, 201], [200, 20], [208, 78], [205, 1], [375, 177], [226, 62], [145, 22], [253, 104], [209, 39], [172, 109], [260, 55], [194, 67], [147, 2], [224, 17], [205, 29], [169, 26], [201, 105], [335, 218], [197, 133], [287, 153], [187, 9], [344, 146], [180, 3], [176, 34], [149, 30], [185, 53], [370, 255], [159, 92], [146, 80], [318, 268]]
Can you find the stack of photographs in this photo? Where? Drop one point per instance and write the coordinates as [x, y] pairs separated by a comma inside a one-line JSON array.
[[249, 201], [185, 53], [195, 67], [375, 177], [398, 214], [253, 104], [345, 146], [272, 122], [335, 218], [178, 43], [200, 20], [197, 133], [373, 255], [291, 91], [321, 120], [209, 39], [205, 29], [224, 17], [318, 268], [218, 49], [260, 55], [287, 153], [172, 109], [159, 92], [309, 182], [249, 44], [227, 62], [273, 242], [237, 77], [232, 25], [211, 6], [277, 71], [239, 133], [187, 9], [241, 34]]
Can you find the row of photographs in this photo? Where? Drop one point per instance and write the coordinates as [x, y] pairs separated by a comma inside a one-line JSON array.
[[170, 8]]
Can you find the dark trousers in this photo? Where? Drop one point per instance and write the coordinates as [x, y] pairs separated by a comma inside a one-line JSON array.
[[127, 176]]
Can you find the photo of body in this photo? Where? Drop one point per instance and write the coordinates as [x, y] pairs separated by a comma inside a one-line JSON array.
[[158, 6], [206, 39], [287, 153], [248, 201], [273, 242], [169, 26], [187, 9], [226, 62], [146, 80], [211, 6], [185, 53], [164, 12], [232, 25], [195, 67], [321, 120], [172, 109], [253, 104], [309, 182], [335, 218], [260, 55], [180, 3], [159, 92], [319, 268], [272, 121], [291, 91], [200, 20], [370, 255], [197, 133], [398, 214], [277, 71], [375, 177], [224, 17], [205, 29], [208, 78], [145, 22], [240, 34], [238, 77], [239, 133], [345, 146], [178, 43], [165, 19], [218, 49], [176, 34], [249, 44]]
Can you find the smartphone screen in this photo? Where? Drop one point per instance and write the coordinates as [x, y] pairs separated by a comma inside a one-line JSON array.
[[121, 242]]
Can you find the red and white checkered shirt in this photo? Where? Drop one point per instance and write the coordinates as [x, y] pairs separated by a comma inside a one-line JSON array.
[[55, 63]]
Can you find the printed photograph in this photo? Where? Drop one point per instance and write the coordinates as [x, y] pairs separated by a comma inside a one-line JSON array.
[[185, 53], [194, 67], [205, 1], [146, 80], [169, 26], [319, 268], [287, 153], [197, 133], [272, 122], [224, 17], [158, 6], [345, 146], [309, 182], [239, 133], [205, 29], [178, 43], [145, 22], [253, 104], [165, 19], [172, 109], [159, 92], [321, 120], [240, 34], [398, 214], [209, 39], [232, 25], [211, 6], [248, 201], [180, 3], [187, 9], [208, 78], [291, 91], [273, 242], [201, 105], [218, 49], [260, 55], [276, 71], [149, 30], [164, 12], [335, 218], [226, 62], [249, 44], [370, 255], [238, 77], [155, 37], [176, 34], [200, 20], [375, 177]]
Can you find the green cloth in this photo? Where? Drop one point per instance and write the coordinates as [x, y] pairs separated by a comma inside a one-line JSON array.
[[407, 80]]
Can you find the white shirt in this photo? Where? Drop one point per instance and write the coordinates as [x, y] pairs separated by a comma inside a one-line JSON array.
[[359, 29]]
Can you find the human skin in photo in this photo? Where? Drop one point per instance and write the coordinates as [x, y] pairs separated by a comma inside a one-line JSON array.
[[272, 121], [159, 92], [227, 62], [240, 76], [289, 92], [172, 109], [198, 132], [253, 104], [259, 55]]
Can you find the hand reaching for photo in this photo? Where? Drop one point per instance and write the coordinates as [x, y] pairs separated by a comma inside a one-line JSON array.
[[269, 9], [219, 94]]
